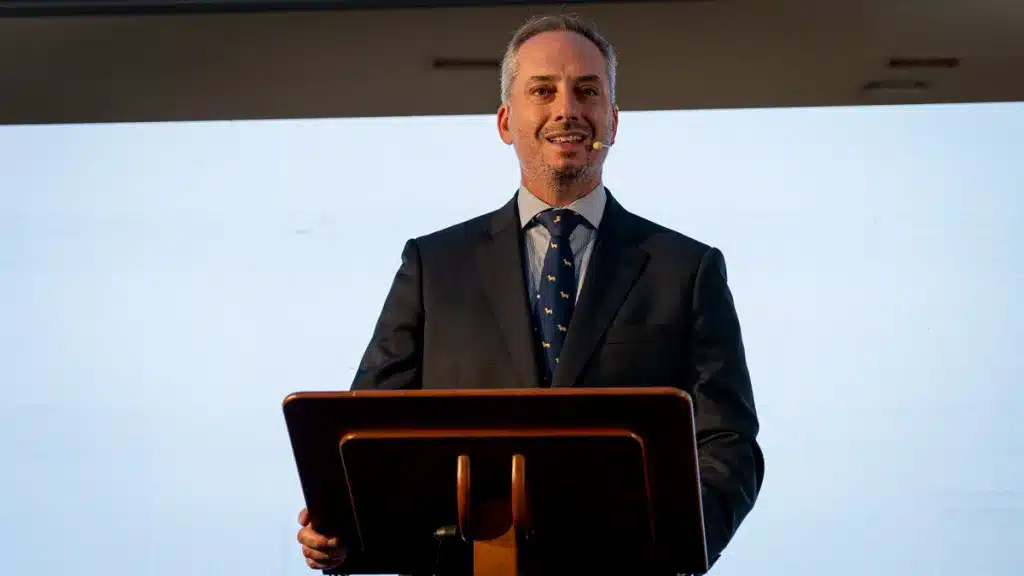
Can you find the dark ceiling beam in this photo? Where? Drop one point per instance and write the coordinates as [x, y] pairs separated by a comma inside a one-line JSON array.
[[56, 8]]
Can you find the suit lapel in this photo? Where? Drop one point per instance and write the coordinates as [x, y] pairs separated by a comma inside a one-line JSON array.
[[500, 260], [615, 264]]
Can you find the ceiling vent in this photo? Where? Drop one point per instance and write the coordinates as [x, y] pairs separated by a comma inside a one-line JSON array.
[[466, 64], [923, 63]]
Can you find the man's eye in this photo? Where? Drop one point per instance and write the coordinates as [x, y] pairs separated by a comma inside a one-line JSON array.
[[590, 91], [542, 91]]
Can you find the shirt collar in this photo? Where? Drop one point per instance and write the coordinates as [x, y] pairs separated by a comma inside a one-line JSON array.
[[591, 206]]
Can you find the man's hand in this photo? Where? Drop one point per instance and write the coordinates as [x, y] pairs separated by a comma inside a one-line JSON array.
[[321, 552]]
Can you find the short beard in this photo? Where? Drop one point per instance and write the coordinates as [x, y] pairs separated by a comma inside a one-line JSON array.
[[565, 177]]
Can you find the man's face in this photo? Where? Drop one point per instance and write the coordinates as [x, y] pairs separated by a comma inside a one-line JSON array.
[[560, 104]]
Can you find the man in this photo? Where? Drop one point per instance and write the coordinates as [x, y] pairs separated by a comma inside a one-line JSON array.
[[563, 287]]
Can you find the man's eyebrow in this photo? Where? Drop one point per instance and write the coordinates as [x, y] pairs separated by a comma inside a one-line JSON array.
[[551, 78]]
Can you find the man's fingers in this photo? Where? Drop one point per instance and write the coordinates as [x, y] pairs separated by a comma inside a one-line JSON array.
[[321, 552], [309, 537], [316, 565], [321, 560], [314, 554]]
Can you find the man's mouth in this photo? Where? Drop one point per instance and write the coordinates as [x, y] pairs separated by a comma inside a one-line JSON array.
[[566, 138]]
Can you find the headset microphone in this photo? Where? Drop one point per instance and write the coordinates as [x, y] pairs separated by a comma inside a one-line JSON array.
[[599, 145]]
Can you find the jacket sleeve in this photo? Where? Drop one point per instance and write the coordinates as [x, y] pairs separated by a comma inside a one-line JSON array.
[[393, 359], [730, 460]]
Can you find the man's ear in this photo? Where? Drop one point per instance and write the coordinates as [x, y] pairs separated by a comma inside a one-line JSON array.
[[615, 122], [503, 130]]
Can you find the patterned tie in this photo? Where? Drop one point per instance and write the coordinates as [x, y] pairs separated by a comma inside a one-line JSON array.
[[556, 295]]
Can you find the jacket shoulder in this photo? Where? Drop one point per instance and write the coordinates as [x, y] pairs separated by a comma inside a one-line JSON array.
[[458, 234], [657, 238]]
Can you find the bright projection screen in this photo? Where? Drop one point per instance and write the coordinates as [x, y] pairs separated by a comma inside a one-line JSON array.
[[164, 286]]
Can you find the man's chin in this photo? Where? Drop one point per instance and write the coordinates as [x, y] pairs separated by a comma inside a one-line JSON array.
[[570, 173]]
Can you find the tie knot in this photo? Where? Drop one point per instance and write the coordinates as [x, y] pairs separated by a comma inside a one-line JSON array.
[[560, 222]]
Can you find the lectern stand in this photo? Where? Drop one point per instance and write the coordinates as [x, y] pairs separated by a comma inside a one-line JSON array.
[[536, 482]]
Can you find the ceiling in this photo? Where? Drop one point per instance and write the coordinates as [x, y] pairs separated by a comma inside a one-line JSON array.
[[673, 55]]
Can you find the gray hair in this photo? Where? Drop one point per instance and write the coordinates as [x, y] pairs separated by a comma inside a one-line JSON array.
[[560, 23]]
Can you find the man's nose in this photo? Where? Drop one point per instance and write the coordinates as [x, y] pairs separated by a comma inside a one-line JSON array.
[[567, 107]]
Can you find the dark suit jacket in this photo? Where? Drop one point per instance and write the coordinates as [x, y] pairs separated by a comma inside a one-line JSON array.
[[654, 309]]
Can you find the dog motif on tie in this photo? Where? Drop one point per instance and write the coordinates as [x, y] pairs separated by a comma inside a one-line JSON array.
[[557, 290]]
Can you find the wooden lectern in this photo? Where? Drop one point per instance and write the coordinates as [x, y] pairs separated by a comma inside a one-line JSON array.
[[524, 481]]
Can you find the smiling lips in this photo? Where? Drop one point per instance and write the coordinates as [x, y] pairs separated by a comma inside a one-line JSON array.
[[568, 140]]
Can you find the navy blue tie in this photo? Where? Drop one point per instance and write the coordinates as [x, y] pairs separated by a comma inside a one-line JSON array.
[[556, 294]]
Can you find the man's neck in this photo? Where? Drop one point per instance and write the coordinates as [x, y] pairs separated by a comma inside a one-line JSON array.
[[558, 194]]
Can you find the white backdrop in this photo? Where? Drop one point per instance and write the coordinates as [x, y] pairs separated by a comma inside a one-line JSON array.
[[164, 286]]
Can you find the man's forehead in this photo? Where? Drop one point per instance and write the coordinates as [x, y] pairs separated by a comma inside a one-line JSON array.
[[560, 50], [560, 57]]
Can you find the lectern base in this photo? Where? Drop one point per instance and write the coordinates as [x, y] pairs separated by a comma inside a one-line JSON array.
[[497, 557]]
